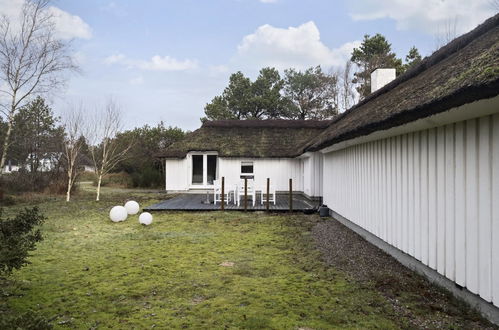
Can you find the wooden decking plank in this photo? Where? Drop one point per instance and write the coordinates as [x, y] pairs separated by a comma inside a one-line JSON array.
[[193, 202]]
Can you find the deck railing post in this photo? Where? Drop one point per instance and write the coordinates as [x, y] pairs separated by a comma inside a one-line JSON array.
[[290, 195], [245, 193], [223, 194], [268, 192]]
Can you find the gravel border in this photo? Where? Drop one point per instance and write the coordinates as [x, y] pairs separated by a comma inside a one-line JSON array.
[[413, 297]]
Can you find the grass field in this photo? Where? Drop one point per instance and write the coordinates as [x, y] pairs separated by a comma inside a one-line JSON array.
[[186, 270]]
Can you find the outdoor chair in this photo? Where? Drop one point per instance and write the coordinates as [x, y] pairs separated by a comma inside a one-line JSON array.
[[251, 193], [263, 195], [217, 192]]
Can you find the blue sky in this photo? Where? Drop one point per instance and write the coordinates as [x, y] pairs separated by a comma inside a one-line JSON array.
[[164, 60]]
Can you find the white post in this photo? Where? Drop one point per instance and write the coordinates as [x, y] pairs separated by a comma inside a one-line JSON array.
[[205, 170]]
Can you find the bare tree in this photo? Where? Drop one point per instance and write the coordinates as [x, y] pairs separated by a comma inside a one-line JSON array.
[[75, 127], [348, 95], [32, 60], [106, 150], [494, 5], [446, 32]]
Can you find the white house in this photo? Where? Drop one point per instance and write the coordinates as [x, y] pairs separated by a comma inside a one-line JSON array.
[[10, 166], [416, 163], [257, 149], [414, 166]]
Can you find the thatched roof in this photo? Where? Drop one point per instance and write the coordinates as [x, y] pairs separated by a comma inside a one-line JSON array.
[[249, 138], [465, 70]]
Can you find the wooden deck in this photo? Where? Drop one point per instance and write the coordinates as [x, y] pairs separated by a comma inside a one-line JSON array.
[[196, 202]]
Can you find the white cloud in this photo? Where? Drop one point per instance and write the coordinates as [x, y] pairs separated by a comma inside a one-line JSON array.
[[67, 26], [156, 63], [167, 63], [70, 26], [298, 47], [430, 16], [269, 1]]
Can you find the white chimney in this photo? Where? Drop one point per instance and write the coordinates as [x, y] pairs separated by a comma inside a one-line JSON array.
[[381, 77]]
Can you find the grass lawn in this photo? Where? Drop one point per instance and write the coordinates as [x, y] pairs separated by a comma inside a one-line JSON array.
[[186, 270]]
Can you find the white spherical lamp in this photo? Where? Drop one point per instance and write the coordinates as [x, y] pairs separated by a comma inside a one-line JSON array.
[[145, 218], [132, 207], [118, 213]]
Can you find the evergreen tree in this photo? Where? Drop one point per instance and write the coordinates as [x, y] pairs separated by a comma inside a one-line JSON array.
[[36, 135], [413, 58], [244, 99], [374, 52], [312, 93]]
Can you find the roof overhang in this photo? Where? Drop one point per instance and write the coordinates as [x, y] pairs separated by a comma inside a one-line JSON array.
[[467, 111]]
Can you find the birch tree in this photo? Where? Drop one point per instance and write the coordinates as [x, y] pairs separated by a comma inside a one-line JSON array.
[[75, 128], [106, 150], [33, 60]]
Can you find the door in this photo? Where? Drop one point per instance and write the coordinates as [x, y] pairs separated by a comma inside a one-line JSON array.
[[204, 169]]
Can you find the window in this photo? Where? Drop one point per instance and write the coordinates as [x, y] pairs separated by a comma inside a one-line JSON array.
[[247, 170]]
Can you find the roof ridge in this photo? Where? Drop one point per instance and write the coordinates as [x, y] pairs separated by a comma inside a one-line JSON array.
[[268, 123], [436, 57]]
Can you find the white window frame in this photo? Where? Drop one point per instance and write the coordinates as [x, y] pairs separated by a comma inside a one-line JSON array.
[[247, 163], [205, 154]]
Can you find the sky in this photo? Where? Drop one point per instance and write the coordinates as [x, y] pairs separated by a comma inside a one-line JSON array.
[[163, 60]]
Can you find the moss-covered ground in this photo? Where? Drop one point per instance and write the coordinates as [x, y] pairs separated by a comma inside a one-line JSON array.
[[209, 270]]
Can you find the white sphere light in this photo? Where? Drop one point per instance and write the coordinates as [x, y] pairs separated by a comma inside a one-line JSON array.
[[145, 218], [132, 207], [118, 213]]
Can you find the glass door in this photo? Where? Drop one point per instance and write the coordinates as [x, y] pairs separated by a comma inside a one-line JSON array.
[[197, 169], [211, 170], [204, 169]]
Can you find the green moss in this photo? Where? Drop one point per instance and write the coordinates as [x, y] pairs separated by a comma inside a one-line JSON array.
[[91, 272]]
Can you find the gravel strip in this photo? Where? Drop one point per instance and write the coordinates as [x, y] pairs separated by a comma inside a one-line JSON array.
[[412, 296]]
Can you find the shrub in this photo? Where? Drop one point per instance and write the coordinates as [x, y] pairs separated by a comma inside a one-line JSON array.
[[24, 181], [86, 176], [147, 177], [121, 180], [18, 236]]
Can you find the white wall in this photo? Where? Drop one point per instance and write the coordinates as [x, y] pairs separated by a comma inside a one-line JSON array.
[[176, 174], [279, 170], [433, 194], [312, 174]]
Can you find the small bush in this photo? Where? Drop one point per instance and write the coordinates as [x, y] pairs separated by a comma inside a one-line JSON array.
[[24, 181], [148, 177], [119, 180], [18, 236], [86, 176]]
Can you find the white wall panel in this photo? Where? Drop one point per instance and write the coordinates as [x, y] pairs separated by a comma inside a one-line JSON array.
[[312, 174], [434, 194], [494, 150], [279, 170], [176, 174]]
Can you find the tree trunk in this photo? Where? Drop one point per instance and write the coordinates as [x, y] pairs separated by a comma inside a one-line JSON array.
[[98, 187], [68, 193], [6, 143]]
